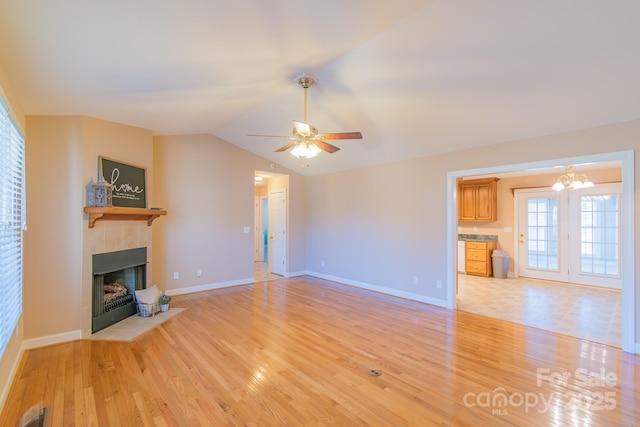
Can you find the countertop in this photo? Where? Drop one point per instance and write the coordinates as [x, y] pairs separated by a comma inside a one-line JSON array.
[[478, 237]]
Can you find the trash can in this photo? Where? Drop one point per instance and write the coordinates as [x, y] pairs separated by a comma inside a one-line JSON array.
[[500, 263]]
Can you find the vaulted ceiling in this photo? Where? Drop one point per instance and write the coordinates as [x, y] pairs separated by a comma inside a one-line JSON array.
[[416, 77]]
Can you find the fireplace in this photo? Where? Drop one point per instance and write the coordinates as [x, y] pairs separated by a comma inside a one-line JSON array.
[[116, 277]]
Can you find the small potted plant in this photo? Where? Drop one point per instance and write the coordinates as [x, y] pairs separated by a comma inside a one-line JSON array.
[[164, 302]]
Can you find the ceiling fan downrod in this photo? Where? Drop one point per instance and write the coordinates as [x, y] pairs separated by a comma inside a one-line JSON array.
[[306, 81]]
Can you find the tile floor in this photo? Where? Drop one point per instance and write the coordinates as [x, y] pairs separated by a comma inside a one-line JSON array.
[[586, 312], [133, 326]]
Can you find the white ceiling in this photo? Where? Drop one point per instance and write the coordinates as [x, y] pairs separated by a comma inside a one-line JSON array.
[[416, 77]]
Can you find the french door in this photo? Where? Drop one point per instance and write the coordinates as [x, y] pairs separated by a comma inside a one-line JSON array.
[[571, 236]]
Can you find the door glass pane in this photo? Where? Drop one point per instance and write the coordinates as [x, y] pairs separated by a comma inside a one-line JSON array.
[[542, 233], [599, 235]]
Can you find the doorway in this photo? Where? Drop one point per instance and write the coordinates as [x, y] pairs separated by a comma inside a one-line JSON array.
[[270, 225], [627, 237]]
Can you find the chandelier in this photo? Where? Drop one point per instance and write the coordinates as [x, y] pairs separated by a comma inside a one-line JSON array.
[[572, 181]]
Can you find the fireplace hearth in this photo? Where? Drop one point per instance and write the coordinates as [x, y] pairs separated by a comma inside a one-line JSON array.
[[116, 277]]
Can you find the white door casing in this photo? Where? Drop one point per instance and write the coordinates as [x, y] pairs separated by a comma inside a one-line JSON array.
[[257, 219], [278, 231], [627, 223]]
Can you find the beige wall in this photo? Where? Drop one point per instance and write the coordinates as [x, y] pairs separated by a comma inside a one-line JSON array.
[[9, 359], [207, 187], [62, 158], [53, 243], [506, 205], [396, 227]]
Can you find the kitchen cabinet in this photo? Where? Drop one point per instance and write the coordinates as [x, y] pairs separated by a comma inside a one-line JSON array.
[[478, 199], [478, 258]]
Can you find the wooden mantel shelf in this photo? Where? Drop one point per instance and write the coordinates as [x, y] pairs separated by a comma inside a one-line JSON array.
[[121, 214]]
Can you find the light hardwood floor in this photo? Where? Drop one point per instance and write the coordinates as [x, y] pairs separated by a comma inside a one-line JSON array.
[[261, 272], [300, 351]]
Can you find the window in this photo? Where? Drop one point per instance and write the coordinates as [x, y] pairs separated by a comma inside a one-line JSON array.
[[12, 220], [599, 231], [542, 233]]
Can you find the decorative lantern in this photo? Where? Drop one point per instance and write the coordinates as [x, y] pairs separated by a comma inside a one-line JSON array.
[[99, 194]]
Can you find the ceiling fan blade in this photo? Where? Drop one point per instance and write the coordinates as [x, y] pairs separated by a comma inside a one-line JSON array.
[[302, 128], [325, 146], [274, 136], [286, 147], [341, 135]]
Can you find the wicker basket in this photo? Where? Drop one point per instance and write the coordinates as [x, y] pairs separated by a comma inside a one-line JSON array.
[[148, 310]]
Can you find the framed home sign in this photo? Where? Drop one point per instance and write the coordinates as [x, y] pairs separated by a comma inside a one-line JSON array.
[[128, 183]]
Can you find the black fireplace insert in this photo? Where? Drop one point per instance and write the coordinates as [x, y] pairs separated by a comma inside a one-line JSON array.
[[116, 277]]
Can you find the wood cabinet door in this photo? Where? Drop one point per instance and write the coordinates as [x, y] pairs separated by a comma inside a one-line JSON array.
[[478, 200], [484, 201], [476, 268], [467, 202]]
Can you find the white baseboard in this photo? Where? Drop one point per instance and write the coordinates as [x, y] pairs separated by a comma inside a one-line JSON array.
[[296, 274], [12, 375], [51, 339], [210, 286], [381, 289]]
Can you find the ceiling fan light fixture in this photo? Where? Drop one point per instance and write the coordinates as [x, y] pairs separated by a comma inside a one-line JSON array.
[[306, 142], [306, 150]]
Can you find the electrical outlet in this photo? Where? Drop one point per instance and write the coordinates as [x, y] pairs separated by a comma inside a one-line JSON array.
[[176, 275], [439, 284], [199, 272], [415, 280]]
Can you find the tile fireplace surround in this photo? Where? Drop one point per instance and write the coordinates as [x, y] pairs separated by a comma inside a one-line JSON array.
[[109, 236]]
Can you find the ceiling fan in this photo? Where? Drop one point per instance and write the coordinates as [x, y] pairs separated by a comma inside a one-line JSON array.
[[306, 142]]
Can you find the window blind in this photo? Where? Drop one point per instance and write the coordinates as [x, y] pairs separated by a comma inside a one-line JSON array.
[[12, 220]]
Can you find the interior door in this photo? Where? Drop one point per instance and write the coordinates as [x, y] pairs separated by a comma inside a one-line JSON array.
[[542, 235], [277, 231]]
